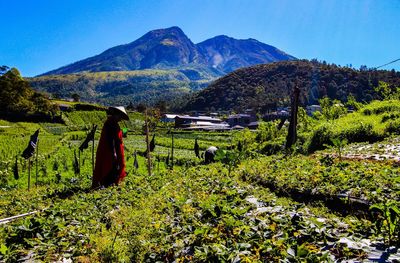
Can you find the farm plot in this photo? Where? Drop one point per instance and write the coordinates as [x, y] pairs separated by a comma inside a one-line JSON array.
[[388, 149], [195, 215], [318, 175]]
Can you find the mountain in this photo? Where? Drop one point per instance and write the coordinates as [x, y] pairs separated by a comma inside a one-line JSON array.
[[228, 54], [171, 48], [163, 64], [264, 87], [160, 48]]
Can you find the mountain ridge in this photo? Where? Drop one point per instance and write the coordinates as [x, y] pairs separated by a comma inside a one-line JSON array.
[[171, 48]]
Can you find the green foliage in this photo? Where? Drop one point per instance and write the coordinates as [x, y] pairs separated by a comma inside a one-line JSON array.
[[365, 180], [353, 103], [17, 97], [387, 92], [332, 109], [320, 137], [369, 124], [196, 213], [124, 87], [393, 127], [231, 158], [339, 144], [266, 131], [387, 220]]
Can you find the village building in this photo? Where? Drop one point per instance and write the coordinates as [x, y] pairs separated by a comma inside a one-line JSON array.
[[253, 125], [277, 115], [240, 119], [200, 123], [168, 117], [313, 108]]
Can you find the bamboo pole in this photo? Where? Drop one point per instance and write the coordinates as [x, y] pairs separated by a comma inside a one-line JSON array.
[[37, 153], [93, 152], [12, 218], [148, 144], [29, 174], [79, 162], [172, 150]]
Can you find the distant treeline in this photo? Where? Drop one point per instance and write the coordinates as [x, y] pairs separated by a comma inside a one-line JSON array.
[[264, 87]]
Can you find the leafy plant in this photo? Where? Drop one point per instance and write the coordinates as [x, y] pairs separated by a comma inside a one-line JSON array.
[[387, 220], [338, 145], [230, 158]]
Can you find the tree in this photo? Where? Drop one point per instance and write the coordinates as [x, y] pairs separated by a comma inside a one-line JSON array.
[[141, 107], [352, 103], [16, 95], [3, 69], [75, 97], [161, 105], [332, 109], [386, 91]]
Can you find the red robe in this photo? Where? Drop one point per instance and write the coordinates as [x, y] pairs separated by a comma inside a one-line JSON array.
[[110, 160]]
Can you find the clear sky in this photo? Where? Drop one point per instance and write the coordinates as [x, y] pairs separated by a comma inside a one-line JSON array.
[[37, 35]]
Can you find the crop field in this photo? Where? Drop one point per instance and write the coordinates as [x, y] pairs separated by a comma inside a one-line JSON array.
[[257, 203]]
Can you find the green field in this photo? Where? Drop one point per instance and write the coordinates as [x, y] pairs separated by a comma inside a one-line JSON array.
[[261, 203]]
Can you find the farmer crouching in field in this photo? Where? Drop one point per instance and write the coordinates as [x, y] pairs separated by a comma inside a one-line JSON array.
[[110, 160]]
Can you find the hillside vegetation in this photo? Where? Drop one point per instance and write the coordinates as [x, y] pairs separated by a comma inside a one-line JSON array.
[[257, 203], [265, 87], [124, 87]]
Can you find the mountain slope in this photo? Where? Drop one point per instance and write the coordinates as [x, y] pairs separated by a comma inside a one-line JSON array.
[[123, 87], [160, 48], [171, 48], [263, 87], [228, 54]]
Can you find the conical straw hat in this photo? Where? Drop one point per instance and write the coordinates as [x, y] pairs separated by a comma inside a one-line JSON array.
[[118, 110]]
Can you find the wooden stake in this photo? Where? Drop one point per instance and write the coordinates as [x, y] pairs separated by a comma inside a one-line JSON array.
[[292, 133]]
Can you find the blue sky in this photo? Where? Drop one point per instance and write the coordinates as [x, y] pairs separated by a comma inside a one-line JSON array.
[[37, 36]]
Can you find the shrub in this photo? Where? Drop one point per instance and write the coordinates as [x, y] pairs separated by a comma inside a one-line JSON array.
[[393, 127], [390, 116], [360, 133], [320, 137], [390, 106], [271, 147]]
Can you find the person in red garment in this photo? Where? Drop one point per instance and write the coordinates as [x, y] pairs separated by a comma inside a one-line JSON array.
[[110, 160]]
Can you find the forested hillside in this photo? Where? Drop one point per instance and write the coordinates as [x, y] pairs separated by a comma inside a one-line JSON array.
[[124, 87], [264, 87]]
